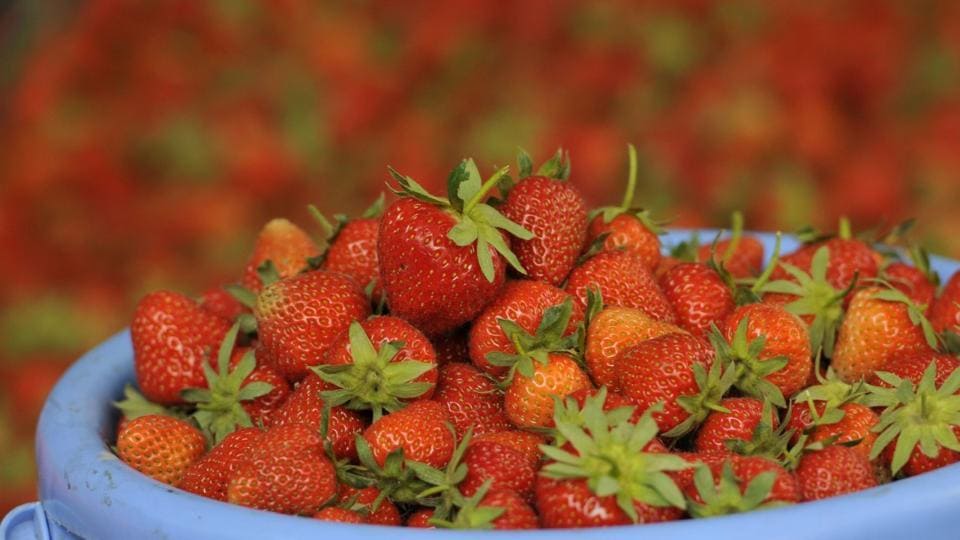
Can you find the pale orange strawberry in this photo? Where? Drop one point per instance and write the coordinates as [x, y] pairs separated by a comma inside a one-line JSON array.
[[285, 245], [529, 400], [160, 446], [612, 332]]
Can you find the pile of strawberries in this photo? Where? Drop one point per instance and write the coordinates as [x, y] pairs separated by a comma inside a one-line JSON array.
[[505, 357]]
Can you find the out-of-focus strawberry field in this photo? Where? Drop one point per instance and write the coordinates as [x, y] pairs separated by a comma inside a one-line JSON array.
[[144, 143]]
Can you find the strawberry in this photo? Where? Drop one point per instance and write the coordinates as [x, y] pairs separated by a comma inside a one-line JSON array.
[[529, 398], [603, 473], [911, 281], [742, 257], [340, 515], [379, 364], [160, 447], [442, 260], [452, 347], [288, 482], [555, 212], [501, 465], [317, 304], [222, 304], [525, 442], [770, 347], [920, 422], [672, 370], [283, 244], [612, 332], [835, 470], [626, 228], [419, 429], [698, 295], [848, 258], [945, 309], [386, 512], [173, 338], [420, 519], [471, 400], [740, 484], [352, 247], [910, 366], [622, 280], [853, 425], [523, 304], [208, 477], [260, 409], [500, 509], [880, 323], [305, 407], [738, 424]]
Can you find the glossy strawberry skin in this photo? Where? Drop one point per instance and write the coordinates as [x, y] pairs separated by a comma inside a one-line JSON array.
[[698, 296], [172, 338], [516, 515], [856, 425], [745, 413], [945, 310], [260, 409], [219, 302], [911, 281], [384, 329], [354, 253], [872, 332], [526, 443], [848, 258], [570, 504], [785, 334], [339, 515], [208, 477], [911, 365], [420, 519], [305, 406], [285, 245], [508, 468], [523, 302], [385, 514], [614, 331], [160, 447], [746, 468], [556, 214], [420, 429], [918, 462], [745, 261], [299, 318], [284, 481], [529, 400], [627, 233], [660, 370], [622, 280], [835, 470], [471, 400], [427, 278]]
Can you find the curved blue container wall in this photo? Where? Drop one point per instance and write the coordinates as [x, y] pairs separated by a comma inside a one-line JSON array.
[[87, 492]]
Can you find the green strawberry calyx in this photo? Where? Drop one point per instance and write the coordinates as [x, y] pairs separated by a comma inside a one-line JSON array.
[[608, 213], [609, 455], [713, 384], [914, 312], [442, 491], [471, 514], [557, 167], [743, 356], [396, 479], [770, 442], [134, 405], [724, 496], [919, 416], [548, 338], [477, 222], [373, 381], [220, 406], [814, 296]]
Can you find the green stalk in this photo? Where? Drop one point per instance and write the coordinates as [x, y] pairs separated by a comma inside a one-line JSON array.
[[631, 178], [485, 189]]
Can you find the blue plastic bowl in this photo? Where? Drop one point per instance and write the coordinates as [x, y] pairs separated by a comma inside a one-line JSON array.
[[87, 492]]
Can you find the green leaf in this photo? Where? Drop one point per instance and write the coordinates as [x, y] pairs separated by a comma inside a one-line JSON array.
[[524, 163], [242, 294]]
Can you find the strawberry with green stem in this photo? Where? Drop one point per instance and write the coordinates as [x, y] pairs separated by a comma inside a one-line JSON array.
[[945, 309], [471, 398], [220, 407], [850, 258], [286, 245], [380, 365], [832, 471], [351, 246], [443, 259], [491, 509], [918, 281], [739, 485]]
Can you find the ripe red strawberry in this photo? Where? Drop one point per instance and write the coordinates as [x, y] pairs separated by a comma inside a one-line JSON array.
[[160, 447], [525, 442], [262, 408], [627, 228], [745, 259], [222, 304], [613, 401], [698, 295], [856, 424], [505, 467], [288, 482], [572, 491], [443, 260], [524, 303], [622, 280], [835, 470], [340, 515], [739, 484], [614, 331], [848, 258], [471, 399], [452, 347], [911, 365], [556, 213], [912, 281], [879, 325], [529, 399], [317, 304], [516, 513], [420, 519], [385, 514], [379, 364], [285, 245], [662, 370], [419, 429], [173, 338], [208, 477], [772, 346], [352, 246], [305, 406], [738, 424], [945, 309]]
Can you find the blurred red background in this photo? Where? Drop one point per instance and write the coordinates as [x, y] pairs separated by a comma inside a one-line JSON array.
[[144, 143]]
